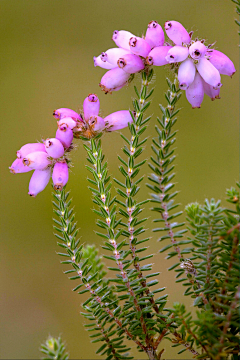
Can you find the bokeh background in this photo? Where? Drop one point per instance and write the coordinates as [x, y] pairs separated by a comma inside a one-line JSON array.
[[46, 62]]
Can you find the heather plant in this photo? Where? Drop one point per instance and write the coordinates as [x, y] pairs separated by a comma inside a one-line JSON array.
[[126, 306]]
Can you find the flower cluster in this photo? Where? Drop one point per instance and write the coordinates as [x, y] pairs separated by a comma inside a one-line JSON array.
[[50, 157], [198, 66]]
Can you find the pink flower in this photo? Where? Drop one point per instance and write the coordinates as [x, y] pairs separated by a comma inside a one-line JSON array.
[[129, 58], [54, 148], [91, 106], [200, 67], [28, 148], [37, 160], [60, 175], [64, 112], [65, 135], [38, 181], [154, 34], [118, 120], [18, 167]]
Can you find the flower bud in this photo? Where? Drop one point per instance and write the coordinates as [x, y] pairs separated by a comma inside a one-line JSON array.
[[54, 148], [39, 181], [65, 135], [68, 121], [209, 73], [177, 33], [157, 56], [112, 55], [113, 80], [154, 34], [91, 106], [177, 54], [18, 167], [64, 112], [118, 120], [195, 92], [130, 63], [103, 64], [139, 46], [121, 38], [28, 148], [197, 50], [96, 123], [37, 160], [186, 74], [60, 175], [222, 63], [210, 91]]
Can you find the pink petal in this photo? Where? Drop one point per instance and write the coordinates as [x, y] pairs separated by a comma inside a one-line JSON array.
[[112, 55], [54, 148], [139, 46], [28, 148], [118, 120], [222, 63], [121, 38], [91, 106], [195, 92], [113, 80], [103, 64], [197, 50], [157, 56], [97, 123], [130, 63], [210, 91], [37, 160], [154, 34], [39, 181], [177, 33], [18, 167], [60, 175], [64, 112], [68, 121], [177, 54], [65, 135], [209, 73], [186, 73]]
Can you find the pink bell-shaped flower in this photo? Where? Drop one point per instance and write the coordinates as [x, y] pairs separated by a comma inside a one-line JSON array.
[[60, 175], [222, 63], [38, 181], [130, 63], [28, 148], [195, 92], [177, 54], [37, 160], [154, 34], [118, 120], [186, 73], [113, 80], [121, 38], [65, 135], [91, 106], [18, 167], [139, 46], [54, 148], [177, 33], [64, 112], [209, 73], [157, 56]]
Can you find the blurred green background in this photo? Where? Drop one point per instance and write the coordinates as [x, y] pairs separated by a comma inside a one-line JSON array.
[[47, 49]]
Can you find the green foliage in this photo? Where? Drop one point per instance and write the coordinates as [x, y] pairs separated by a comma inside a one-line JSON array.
[[54, 349], [237, 2], [161, 178]]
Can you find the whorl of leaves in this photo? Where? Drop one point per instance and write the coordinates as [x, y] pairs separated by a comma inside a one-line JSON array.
[[54, 349]]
